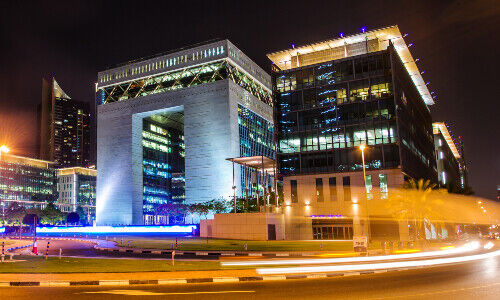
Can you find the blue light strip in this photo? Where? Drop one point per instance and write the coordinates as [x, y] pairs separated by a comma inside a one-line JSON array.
[[2, 229], [118, 229]]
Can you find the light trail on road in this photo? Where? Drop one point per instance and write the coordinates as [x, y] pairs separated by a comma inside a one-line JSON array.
[[379, 266], [459, 250]]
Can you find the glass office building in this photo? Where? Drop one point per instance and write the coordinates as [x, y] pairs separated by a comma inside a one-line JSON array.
[[256, 139], [327, 104], [330, 98], [28, 182], [449, 161]]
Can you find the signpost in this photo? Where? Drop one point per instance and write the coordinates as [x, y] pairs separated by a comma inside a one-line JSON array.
[[360, 243]]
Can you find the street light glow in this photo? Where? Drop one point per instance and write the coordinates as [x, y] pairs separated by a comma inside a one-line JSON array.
[[4, 149], [362, 147]]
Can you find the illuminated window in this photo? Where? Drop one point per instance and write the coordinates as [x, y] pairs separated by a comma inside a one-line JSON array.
[[368, 184], [382, 179]]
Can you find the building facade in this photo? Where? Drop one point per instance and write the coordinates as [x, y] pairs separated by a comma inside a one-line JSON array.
[[76, 187], [210, 101], [29, 182], [64, 127], [450, 167], [330, 98]]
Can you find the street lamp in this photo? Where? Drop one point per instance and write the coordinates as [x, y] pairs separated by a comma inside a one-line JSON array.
[[362, 148], [4, 149]]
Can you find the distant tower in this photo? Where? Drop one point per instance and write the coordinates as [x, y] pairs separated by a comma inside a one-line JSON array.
[[64, 127]]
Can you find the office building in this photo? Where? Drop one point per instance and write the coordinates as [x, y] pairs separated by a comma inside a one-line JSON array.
[[29, 182], [450, 166], [76, 187], [64, 127], [333, 96], [166, 125]]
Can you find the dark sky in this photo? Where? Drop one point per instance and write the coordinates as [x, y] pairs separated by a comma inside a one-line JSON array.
[[457, 43]]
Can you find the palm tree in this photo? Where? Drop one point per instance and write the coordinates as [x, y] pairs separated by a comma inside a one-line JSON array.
[[417, 201]]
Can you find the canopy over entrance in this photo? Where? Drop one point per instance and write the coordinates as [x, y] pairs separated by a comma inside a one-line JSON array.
[[259, 163]]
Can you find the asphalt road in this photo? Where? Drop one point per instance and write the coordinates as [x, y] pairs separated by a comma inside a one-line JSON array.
[[69, 248], [473, 280]]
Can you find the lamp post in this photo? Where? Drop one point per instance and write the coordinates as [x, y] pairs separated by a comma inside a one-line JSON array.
[[362, 148]]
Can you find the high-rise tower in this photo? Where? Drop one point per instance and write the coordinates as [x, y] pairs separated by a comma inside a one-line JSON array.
[[64, 127]]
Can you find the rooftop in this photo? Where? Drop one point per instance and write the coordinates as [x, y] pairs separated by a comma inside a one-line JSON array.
[[352, 45], [77, 170], [32, 162], [441, 127]]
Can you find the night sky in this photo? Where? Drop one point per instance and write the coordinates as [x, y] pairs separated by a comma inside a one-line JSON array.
[[457, 43]]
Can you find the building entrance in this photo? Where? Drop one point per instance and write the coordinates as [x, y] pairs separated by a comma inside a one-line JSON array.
[[328, 229]]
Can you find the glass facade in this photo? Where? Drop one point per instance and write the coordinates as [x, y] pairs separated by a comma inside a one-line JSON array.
[[325, 111], [31, 184], [256, 138], [71, 133], [64, 128], [163, 167]]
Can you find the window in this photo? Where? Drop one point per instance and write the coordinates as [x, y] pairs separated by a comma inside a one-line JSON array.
[[382, 179], [332, 182], [369, 186], [346, 182], [319, 190], [293, 189]]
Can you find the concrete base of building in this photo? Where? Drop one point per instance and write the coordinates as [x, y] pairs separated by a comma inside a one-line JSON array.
[[278, 226], [247, 226]]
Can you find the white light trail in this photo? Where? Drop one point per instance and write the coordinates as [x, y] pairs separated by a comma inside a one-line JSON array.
[[465, 248], [378, 266]]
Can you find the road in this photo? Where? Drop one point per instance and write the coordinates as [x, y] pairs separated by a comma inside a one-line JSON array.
[[473, 280]]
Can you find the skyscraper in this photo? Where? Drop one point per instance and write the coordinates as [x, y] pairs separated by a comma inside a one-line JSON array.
[[64, 127]]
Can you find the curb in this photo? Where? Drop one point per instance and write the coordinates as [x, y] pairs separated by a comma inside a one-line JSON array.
[[211, 253], [186, 280], [20, 247]]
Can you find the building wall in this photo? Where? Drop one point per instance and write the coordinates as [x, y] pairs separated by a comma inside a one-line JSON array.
[[249, 226], [335, 202], [76, 190], [67, 192]]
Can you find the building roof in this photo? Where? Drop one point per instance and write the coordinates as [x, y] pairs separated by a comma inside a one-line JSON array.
[[258, 162], [77, 170], [283, 59], [32, 162], [441, 127], [58, 91]]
